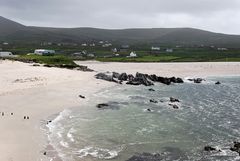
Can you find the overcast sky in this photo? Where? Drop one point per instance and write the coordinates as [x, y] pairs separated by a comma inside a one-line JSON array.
[[214, 15]]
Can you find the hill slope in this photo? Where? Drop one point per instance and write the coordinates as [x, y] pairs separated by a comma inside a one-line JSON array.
[[14, 32]]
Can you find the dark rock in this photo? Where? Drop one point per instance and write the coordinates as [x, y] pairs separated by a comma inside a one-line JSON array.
[[236, 147], [44, 153], [153, 78], [163, 80], [209, 148], [123, 77], [153, 101], [110, 105], [36, 65], [146, 157], [24, 117], [130, 77], [142, 79], [174, 106], [179, 80], [174, 99], [115, 75], [135, 83], [196, 80], [49, 66], [149, 110], [81, 96], [152, 90], [106, 77], [102, 105], [11, 113], [217, 83]]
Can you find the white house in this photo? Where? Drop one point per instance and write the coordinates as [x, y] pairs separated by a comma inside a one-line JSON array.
[[84, 44], [222, 49], [6, 54], [44, 52], [169, 50], [155, 48], [132, 55]]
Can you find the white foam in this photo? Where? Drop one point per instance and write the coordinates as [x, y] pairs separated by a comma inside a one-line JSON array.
[[64, 144], [97, 153], [70, 134]]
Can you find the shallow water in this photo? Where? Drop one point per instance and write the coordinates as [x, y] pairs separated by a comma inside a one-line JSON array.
[[208, 115]]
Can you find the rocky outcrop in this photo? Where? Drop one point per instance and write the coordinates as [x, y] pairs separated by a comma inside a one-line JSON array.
[[197, 80], [138, 79], [236, 147], [123, 77], [105, 77]]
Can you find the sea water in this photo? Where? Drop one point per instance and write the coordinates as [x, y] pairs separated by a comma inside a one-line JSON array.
[[208, 114]]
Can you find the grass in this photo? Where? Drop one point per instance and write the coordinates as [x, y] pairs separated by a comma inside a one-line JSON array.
[[48, 60]]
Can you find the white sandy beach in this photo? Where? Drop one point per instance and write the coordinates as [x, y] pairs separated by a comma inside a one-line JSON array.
[[39, 92]]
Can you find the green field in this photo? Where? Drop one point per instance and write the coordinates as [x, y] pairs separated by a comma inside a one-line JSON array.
[[182, 54]]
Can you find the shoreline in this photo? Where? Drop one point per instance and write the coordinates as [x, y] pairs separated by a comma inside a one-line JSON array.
[[57, 89]]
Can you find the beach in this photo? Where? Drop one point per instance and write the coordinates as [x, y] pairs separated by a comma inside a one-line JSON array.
[[40, 92]]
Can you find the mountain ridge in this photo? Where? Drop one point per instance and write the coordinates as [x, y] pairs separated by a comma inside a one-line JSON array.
[[12, 31]]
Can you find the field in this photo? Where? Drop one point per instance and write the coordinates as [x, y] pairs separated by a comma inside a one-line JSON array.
[[144, 54]]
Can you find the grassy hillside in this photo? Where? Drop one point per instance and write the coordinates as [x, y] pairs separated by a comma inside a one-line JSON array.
[[16, 33]]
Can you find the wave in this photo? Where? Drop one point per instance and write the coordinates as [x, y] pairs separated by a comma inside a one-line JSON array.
[[97, 153]]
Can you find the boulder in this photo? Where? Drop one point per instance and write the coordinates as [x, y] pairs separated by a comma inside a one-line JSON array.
[[164, 80], [102, 105], [123, 77], [151, 89], [81, 96], [115, 75], [236, 147], [217, 83], [174, 99], [196, 80], [106, 77], [130, 77], [153, 101], [209, 148], [174, 106]]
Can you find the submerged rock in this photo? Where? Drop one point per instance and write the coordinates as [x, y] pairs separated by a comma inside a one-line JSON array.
[[196, 80], [236, 147], [151, 89], [209, 148], [174, 106], [217, 83], [146, 157], [153, 101], [110, 105], [102, 105], [81, 96], [174, 99]]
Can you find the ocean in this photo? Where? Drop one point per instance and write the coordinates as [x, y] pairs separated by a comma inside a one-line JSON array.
[[131, 125]]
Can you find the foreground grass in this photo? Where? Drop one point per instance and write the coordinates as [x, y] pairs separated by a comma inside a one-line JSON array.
[[59, 61], [48, 60]]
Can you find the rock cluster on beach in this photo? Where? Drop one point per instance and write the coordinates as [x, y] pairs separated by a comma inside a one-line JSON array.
[[138, 79]]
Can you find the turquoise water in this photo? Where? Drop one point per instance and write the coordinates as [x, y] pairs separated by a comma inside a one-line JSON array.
[[208, 115]]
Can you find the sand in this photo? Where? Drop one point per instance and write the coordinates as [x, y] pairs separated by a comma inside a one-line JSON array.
[[39, 92]]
